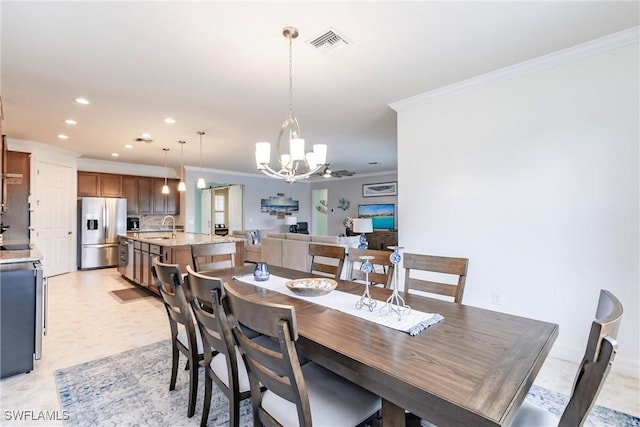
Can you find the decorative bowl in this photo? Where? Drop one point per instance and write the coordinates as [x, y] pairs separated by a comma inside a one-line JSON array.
[[312, 287]]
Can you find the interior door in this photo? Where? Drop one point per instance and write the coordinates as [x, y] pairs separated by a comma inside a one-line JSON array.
[[54, 213]]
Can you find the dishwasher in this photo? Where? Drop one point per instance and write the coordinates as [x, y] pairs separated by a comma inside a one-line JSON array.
[[128, 269], [22, 316]]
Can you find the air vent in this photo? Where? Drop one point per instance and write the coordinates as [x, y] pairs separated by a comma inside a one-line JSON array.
[[329, 41], [145, 140]]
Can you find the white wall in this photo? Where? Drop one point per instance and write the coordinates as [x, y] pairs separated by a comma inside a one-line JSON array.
[[535, 179], [256, 187]]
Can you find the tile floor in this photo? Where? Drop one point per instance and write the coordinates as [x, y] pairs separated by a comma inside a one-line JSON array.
[[86, 323]]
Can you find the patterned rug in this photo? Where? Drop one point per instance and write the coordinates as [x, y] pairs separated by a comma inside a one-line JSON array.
[[132, 389]]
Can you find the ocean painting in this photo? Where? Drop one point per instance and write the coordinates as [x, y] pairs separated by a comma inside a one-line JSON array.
[[382, 215]]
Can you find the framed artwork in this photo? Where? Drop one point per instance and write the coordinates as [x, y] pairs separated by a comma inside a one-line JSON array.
[[380, 189]]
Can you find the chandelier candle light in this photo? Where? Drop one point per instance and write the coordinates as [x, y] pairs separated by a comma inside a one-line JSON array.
[[295, 164]]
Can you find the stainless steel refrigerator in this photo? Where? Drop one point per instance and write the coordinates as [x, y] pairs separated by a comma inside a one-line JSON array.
[[100, 220]]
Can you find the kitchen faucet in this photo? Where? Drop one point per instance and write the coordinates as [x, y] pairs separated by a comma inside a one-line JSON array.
[[173, 221]]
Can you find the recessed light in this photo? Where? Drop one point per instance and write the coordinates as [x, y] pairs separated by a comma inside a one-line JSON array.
[[83, 101], [146, 135], [129, 146], [115, 154], [62, 136], [169, 121], [71, 122]]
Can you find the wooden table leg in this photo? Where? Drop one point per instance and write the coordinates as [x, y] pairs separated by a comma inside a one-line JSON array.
[[392, 415]]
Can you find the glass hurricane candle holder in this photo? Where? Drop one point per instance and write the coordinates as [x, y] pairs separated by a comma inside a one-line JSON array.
[[365, 299], [395, 303]]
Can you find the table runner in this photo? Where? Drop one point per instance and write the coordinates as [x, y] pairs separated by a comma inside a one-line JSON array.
[[412, 322]]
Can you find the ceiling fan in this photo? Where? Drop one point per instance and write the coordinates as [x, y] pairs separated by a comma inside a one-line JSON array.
[[328, 173]]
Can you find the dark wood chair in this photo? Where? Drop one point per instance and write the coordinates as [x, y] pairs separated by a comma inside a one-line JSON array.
[[295, 395], [383, 267], [223, 363], [185, 338], [326, 260], [435, 264], [592, 372], [213, 256]]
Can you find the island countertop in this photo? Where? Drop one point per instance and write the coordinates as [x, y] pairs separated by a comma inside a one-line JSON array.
[[164, 238], [9, 256]]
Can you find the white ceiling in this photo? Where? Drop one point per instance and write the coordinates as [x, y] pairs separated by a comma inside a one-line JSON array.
[[222, 67]]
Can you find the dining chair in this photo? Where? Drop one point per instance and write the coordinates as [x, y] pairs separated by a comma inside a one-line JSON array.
[[435, 264], [185, 338], [383, 267], [295, 395], [592, 372], [212, 256], [223, 362], [326, 260]]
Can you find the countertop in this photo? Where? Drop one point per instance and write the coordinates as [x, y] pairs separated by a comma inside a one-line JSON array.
[[182, 239], [22, 255]]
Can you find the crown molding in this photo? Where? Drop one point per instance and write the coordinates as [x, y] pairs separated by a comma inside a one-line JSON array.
[[593, 47]]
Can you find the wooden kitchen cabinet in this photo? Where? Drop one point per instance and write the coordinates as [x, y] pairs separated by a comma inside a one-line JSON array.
[[130, 192], [145, 195], [167, 204], [92, 184]]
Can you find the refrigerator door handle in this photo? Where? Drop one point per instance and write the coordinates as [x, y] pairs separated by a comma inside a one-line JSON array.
[[105, 216]]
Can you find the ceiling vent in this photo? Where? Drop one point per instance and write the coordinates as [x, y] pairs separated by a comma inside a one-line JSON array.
[[145, 140], [329, 41]]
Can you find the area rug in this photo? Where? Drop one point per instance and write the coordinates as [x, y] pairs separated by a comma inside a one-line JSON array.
[[132, 389], [130, 294]]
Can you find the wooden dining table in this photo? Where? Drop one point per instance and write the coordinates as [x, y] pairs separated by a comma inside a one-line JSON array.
[[474, 368]]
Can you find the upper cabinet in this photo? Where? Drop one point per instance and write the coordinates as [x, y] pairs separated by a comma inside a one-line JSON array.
[[91, 184], [143, 194]]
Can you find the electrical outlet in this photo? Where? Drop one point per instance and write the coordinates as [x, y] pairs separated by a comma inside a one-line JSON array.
[[496, 299]]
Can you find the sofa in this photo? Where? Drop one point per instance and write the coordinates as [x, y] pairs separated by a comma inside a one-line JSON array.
[[291, 250], [253, 245]]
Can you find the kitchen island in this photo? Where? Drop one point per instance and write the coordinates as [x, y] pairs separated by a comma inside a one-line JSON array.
[[137, 249]]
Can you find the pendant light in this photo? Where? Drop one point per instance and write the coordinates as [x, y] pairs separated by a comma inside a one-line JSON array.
[[165, 187], [201, 184], [182, 186]]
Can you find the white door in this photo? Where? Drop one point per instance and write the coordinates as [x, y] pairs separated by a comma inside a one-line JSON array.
[[54, 213], [205, 211]]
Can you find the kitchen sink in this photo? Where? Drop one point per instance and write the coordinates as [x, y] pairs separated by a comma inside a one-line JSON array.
[[158, 238], [15, 247]]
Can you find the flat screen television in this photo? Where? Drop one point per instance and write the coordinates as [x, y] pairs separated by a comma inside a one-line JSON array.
[[383, 215]]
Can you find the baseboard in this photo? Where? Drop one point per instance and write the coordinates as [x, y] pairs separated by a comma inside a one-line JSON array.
[[621, 365]]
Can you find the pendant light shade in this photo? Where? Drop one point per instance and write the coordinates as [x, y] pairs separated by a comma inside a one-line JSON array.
[[182, 186], [165, 187], [201, 184]]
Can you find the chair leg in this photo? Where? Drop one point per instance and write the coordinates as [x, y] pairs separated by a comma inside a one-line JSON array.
[[207, 400], [193, 387], [175, 354], [234, 410]]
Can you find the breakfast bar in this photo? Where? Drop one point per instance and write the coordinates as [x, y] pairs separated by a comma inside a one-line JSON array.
[[137, 249]]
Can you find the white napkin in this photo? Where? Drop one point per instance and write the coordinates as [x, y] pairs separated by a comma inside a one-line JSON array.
[[412, 322]]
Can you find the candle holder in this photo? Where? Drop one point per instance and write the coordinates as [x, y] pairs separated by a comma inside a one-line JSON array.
[[365, 299], [395, 303]]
